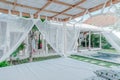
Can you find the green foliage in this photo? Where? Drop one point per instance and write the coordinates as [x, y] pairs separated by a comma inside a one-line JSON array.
[[49, 47], [15, 53], [39, 41], [42, 20], [21, 47], [105, 44], [4, 64], [34, 28], [95, 41], [26, 17], [95, 38], [46, 58], [29, 17], [15, 62]]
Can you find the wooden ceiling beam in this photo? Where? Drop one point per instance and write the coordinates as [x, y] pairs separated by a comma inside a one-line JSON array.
[[30, 7], [69, 8], [41, 9], [24, 14], [19, 5], [94, 9], [14, 5], [67, 4], [54, 12]]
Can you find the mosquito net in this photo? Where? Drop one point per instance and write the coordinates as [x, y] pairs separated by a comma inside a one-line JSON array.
[[59, 35], [13, 31]]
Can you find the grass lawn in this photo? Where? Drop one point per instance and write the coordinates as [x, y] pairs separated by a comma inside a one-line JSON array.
[[35, 59], [16, 62], [94, 61]]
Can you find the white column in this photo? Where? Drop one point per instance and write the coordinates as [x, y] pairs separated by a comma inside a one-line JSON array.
[[8, 39], [100, 41], [27, 46], [57, 39], [43, 43], [64, 25], [85, 41], [80, 38], [89, 39], [46, 47]]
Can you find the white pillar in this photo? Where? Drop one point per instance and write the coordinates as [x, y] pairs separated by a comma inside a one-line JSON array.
[[85, 41], [57, 39], [27, 46], [64, 25], [43, 43], [7, 38], [100, 41], [89, 39], [46, 47]]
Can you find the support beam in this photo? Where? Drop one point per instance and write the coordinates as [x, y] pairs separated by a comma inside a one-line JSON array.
[[66, 4], [93, 9], [69, 8], [14, 5], [89, 40], [30, 7], [41, 9], [54, 12], [46, 47], [65, 43], [25, 14]]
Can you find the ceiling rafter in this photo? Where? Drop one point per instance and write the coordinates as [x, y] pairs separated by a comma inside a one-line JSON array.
[[30, 7], [94, 9], [49, 11], [69, 8], [14, 5], [25, 14], [41, 9], [57, 12], [67, 4]]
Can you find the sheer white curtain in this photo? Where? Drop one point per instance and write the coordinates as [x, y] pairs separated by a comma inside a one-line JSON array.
[[111, 32], [14, 30], [3, 31], [109, 22], [60, 36], [72, 35], [53, 34]]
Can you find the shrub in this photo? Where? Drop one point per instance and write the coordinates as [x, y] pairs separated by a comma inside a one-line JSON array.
[[4, 64]]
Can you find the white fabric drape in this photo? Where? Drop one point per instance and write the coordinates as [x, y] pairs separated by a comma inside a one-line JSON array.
[[72, 35], [61, 37], [2, 37], [15, 30], [109, 21], [111, 32], [112, 39], [53, 34], [2, 31]]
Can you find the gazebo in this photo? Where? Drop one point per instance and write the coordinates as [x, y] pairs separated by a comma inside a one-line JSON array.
[[62, 25]]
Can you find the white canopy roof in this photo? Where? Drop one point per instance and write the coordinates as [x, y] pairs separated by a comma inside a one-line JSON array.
[[62, 9]]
